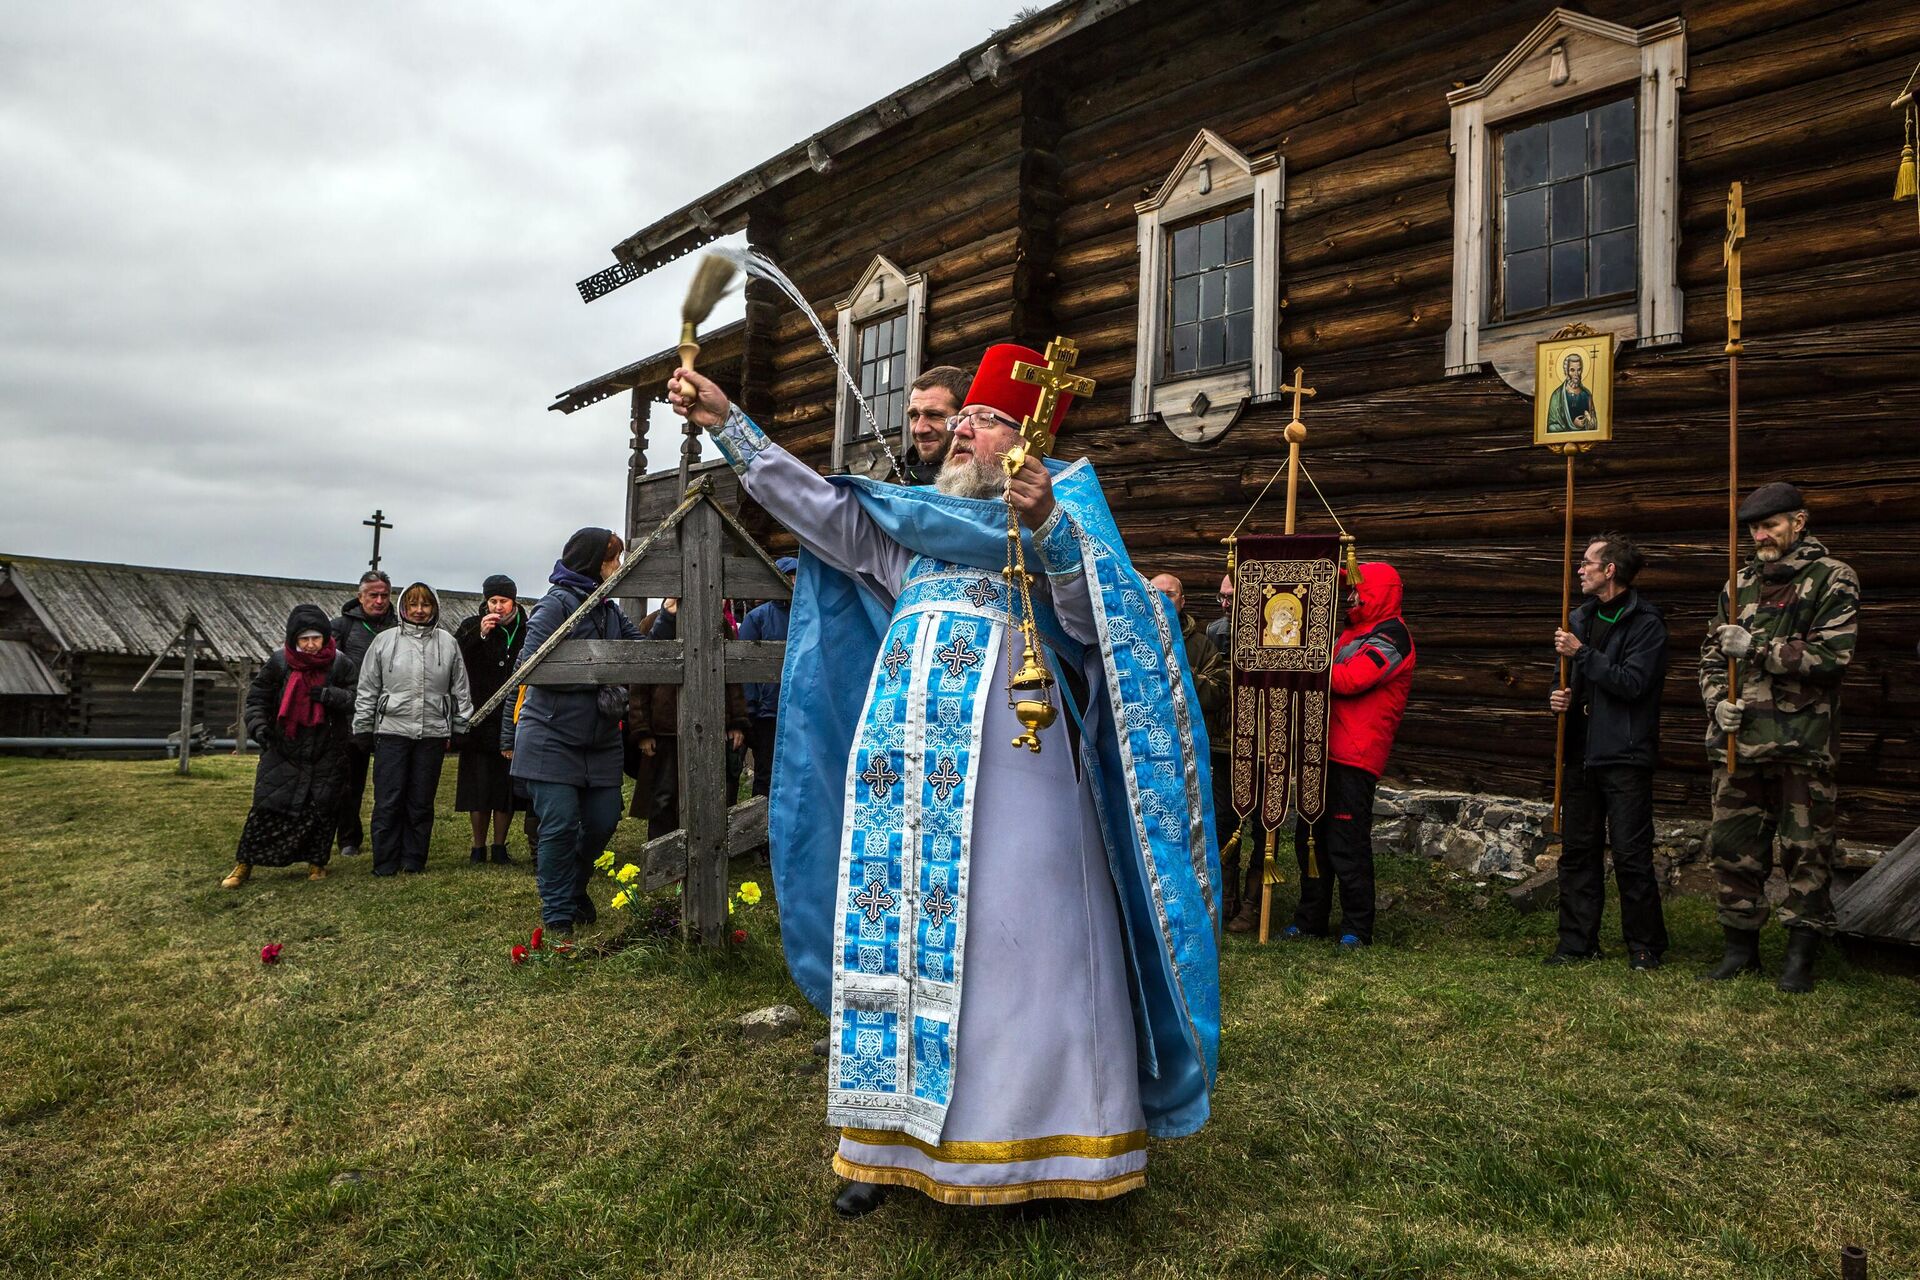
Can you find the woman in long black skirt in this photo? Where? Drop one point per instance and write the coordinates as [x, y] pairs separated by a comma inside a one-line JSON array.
[[490, 644], [299, 710]]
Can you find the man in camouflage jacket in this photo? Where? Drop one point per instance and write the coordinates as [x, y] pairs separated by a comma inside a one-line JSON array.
[[1791, 639]]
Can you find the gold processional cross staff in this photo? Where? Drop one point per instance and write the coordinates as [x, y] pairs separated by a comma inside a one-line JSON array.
[[1730, 258], [1029, 690]]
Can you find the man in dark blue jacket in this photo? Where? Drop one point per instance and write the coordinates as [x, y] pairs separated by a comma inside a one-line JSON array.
[[765, 622], [1617, 653]]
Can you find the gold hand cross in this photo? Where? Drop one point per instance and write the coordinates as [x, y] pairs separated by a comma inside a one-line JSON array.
[[1052, 378]]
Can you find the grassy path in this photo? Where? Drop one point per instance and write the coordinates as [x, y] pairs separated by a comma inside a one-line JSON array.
[[394, 1099]]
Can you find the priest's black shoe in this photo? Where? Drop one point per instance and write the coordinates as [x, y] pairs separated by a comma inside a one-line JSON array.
[[1570, 957], [1797, 976], [1742, 955], [857, 1199]]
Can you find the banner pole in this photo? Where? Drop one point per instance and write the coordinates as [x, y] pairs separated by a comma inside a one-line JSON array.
[[1566, 618]]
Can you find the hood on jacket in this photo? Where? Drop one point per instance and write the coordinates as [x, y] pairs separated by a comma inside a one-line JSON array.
[[307, 617], [399, 604], [1379, 593], [586, 550]]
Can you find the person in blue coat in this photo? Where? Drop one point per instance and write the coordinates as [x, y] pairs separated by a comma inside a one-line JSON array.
[[566, 745], [765, 622]]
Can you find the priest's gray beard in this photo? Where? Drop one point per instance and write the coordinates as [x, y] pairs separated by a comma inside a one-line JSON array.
[[966, 476]]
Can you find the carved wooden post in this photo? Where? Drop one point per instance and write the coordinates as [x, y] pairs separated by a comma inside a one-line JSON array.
[[191, 639], [703, 726], [242, 677]]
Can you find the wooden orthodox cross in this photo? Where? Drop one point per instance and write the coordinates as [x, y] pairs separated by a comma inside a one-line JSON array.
[[378, 523], [1730, 257], [701, 554], [190, 642]]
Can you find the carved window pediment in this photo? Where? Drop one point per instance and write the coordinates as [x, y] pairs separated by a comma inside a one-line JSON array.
[[1571, 70]]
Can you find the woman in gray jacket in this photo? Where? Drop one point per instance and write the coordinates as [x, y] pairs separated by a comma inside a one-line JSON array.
[[412, 703]]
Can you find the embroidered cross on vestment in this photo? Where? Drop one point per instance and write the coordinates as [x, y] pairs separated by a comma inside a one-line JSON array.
[[875, 900], [956, 656]]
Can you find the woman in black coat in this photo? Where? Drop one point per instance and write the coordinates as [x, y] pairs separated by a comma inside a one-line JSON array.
[[300, 710], [490, 644]]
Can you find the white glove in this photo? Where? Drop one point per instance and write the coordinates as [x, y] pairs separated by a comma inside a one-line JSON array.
[[1728, 714], [1736, 641]]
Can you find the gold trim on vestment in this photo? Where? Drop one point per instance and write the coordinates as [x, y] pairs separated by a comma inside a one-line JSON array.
[[1060, 1144], [1010, 1193]]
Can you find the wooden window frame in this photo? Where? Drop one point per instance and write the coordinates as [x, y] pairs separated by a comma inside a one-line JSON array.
[[882, 290], [1211, 179], [1497, 274], [1567, 60]]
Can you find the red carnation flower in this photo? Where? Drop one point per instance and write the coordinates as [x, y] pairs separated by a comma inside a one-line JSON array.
[[533, 943], [739, 937], [270, 954], [519, 954]]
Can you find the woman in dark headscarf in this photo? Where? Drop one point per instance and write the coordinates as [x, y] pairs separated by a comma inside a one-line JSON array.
[[298, 709], [567, 746], [490, 644]]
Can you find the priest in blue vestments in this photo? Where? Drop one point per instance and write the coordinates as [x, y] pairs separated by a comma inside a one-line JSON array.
[[1018, 952]]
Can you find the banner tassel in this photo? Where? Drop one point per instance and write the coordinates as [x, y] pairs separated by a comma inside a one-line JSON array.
[[1313, 862]]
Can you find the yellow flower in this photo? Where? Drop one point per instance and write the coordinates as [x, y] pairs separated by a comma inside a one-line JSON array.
[[750, 892], [604, 861], [621, 899], [729, 906], [627, 874]]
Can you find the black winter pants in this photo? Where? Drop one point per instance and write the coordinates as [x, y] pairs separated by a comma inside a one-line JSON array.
[[1616, 799], [406, 778], [1343, 841], [350, 833], [760, 742]]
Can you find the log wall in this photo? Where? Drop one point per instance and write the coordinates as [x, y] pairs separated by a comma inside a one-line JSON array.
[[1018, 203]]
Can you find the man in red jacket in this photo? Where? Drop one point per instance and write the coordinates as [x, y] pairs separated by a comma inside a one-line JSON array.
[[1372, 669]]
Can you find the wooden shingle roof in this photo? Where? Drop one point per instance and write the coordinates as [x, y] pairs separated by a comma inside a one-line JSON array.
[[93, 607]]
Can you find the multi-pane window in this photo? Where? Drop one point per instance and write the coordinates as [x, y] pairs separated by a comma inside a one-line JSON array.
[[1568, 210], [882, 371], [1210, 287]]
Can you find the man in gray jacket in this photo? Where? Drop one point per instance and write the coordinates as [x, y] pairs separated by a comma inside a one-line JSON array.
[[412, 703]]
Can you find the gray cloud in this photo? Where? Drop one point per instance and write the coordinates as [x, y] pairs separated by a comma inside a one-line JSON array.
[[264, 268]]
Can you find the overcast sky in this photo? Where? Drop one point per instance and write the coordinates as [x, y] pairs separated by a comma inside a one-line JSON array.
[[266, 267]]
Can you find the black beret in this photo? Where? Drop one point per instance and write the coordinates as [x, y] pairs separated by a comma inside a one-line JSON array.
[[1771, 500]]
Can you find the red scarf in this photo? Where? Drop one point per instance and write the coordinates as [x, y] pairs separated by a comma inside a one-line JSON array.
[[306, 676]]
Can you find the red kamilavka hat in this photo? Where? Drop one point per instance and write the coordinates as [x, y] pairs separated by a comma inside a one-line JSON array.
[[995, 386]]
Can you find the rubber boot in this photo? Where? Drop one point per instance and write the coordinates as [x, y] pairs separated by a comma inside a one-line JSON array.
[[859, 1198], [1742, 955], [237, 876], [1797, 976]]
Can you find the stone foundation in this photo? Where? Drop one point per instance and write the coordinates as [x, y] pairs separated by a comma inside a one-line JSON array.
[[1488, 835]]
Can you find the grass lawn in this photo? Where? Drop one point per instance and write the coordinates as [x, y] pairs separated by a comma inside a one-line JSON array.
[[394, 1098]]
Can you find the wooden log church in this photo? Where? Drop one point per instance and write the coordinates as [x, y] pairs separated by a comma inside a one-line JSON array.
[[1401, 199]]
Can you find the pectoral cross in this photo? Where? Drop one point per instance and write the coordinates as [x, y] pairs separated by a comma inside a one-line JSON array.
[[1730, 258], [1052, 378], [378, 523]]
